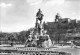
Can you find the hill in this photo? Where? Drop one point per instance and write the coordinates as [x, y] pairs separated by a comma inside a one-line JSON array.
[[58, 31]]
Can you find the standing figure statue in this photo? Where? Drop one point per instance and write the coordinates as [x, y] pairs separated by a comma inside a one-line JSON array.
[[39, 17], [57, 17]]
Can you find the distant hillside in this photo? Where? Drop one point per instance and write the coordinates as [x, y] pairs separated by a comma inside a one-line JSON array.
[[57, 32], [14, 37]]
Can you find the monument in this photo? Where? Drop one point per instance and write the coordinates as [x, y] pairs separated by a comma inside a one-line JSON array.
[[38, 36], [57, 17]]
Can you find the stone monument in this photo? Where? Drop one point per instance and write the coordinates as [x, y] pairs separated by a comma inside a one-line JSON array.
[[38, 36]]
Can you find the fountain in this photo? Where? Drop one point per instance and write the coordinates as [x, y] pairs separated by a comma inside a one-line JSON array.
[[38, 36]]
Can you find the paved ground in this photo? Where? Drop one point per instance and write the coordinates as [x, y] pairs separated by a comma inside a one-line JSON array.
[[73, 51], [12, 54]]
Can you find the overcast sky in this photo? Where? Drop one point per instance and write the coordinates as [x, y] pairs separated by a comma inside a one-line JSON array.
[[18, 15]]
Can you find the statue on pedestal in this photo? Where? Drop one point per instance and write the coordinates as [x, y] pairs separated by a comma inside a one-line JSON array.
[[57, 17], [38, 36], [39, 17]]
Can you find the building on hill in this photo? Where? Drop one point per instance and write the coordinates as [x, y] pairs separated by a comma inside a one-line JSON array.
[[64, 20], [73, 21], [59, 19], [78, 21]]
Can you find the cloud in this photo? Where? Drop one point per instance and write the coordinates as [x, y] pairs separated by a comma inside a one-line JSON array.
[[47, 2], [54, 2], [5, 5], [34, 2]]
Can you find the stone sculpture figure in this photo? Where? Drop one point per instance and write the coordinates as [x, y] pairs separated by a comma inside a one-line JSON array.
[[57, 17], [38, 36], [39, 15]]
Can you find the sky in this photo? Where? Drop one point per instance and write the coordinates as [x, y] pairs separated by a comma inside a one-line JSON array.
[[18, 15]]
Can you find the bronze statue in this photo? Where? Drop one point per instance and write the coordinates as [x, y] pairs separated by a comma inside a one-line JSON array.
[[39, 15], [57, 17]]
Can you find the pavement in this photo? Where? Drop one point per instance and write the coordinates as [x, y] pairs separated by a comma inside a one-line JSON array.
[[68, 49]]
